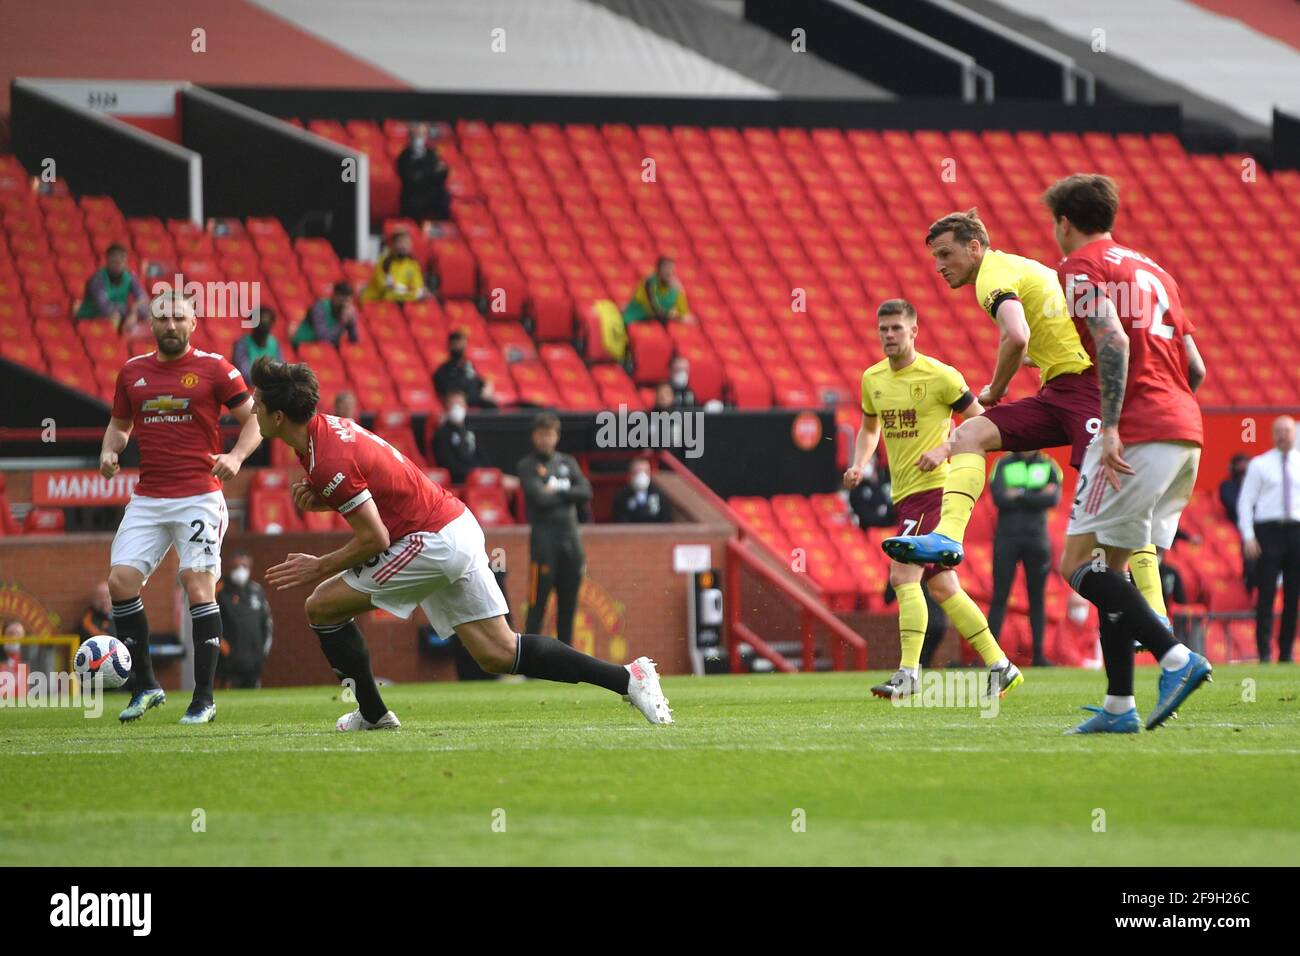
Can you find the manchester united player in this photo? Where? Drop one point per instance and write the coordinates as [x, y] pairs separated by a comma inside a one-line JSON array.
[[1024, 298], [1136, 479], [413, 544], [910, 398], [171, 400]]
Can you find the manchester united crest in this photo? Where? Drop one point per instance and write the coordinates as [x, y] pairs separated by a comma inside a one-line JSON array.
[[189, 380]]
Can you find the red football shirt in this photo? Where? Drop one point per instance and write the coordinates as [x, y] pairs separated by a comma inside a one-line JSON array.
[[175, 407], [1158, 403], [348, 466]]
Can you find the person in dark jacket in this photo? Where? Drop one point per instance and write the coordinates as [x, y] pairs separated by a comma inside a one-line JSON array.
[[554, 486], [424, 178], [455, 447], [639, 501], [1025, 485], [246, 625], [458, 374]]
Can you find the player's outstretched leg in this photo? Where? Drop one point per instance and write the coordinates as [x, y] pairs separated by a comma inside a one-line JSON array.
[[205, 629], [961, 490], [132, 627], [966, 616], [500, 650]]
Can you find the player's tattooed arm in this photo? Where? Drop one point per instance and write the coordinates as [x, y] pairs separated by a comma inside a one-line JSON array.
[[1112, 361]]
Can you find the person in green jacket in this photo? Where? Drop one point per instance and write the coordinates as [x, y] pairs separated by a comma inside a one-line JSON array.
[[114, 292], [659, 296]]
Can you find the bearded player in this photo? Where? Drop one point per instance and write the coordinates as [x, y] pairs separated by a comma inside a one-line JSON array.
[[171, 400], [414, 545], [910, 398], [1137, 478]]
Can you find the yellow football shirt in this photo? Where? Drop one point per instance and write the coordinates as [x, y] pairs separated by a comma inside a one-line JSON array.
[[915, 407], [1054, 344]]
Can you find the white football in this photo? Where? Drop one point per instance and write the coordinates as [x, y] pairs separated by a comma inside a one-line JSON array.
[[103, 656]]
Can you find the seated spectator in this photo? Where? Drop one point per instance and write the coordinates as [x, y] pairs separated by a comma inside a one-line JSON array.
[[872, 499], [660, 296], [424, 178], [330, 318], [679, 377], [397, 276], [345, 406], [457, 374], [98, 618], [256, 343], [113, 292], [455, 447], [665, 398], [639, 501]]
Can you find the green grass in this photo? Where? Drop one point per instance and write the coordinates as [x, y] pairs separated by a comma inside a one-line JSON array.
[[584, 780]]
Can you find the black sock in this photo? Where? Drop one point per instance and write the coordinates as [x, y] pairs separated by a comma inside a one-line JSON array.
[[1117, 652], [345, 649], [132, 628], [205, 629], [1116, 597], [547, 658]]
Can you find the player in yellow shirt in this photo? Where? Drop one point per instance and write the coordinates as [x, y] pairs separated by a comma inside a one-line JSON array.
[[1025, 299], [909, 398]]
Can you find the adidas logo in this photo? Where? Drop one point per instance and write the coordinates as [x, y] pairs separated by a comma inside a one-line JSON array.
[[140, 381]]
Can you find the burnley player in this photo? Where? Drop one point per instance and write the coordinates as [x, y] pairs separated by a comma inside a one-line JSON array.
[[171, 400], [1137, 478], [413, 545], [1024, 298], [910, 398]]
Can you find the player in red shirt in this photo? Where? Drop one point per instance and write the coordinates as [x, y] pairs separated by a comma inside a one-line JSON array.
[[1137, 475], [414, 544], [171, 399]]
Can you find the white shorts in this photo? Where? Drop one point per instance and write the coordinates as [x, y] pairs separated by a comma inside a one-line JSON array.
[[1149, 502], [443, 572], [194, 525]]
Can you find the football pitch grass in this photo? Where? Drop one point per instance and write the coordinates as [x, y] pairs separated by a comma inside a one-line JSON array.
[[799, 769]]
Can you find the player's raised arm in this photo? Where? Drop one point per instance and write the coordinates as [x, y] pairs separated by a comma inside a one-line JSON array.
[[1195, 364], [863, 448], [227, 466], [1013, 343], [116, 436]]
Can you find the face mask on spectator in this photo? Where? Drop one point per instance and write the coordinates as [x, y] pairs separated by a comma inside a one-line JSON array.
[[239, 576], [1079, 614], [457, 354], [456, 414], [680, 379], [640, 481]]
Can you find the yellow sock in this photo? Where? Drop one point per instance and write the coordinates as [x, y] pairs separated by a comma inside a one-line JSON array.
[[913, 616], [1144, 565], [963, 488], [970, 621]]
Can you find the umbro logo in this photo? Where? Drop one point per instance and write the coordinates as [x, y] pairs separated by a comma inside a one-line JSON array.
[[138, 382]]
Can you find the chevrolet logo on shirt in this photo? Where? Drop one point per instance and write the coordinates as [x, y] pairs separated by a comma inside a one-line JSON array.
[[165, 403]]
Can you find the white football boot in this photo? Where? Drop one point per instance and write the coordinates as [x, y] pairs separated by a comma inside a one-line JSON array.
[[644, 692], [354, 721]]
